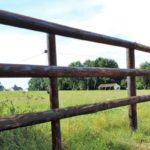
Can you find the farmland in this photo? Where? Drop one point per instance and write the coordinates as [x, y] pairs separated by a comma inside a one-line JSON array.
[[107, 130]]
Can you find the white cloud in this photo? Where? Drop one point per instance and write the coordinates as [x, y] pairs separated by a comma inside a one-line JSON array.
[[17, 46]]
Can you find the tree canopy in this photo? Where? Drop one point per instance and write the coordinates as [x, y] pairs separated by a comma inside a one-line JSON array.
[[89, 83], [75, 83], [144, 82], [38, 84]]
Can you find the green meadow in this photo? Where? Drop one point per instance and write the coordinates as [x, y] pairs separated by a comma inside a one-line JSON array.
[[106, 130]]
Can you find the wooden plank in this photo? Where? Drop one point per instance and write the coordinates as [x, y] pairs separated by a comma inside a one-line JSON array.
[[28, 119], [12, 70], [132, 89], [26, 22], [54, 98]]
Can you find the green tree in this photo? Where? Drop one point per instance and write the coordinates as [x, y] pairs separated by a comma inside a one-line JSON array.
[[89, 83], [103, 63], [76, 64], [64, 84], [38, 84], [89, 63], [144, 82], [74, 83], [124, 84], [139, 83]]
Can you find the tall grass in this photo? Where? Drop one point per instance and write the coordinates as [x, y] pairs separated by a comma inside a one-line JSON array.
[[107, 130]]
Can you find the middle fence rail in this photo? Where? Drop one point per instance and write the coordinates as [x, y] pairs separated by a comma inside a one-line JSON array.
[[13, 70]]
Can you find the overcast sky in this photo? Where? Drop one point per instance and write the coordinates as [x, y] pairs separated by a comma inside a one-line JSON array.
[[124, 19]]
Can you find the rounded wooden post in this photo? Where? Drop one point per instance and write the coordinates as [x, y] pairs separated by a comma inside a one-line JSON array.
[[54, 99], [131, 89]]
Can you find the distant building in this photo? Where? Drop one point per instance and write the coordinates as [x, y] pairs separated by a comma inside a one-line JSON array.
[[110, 86], [16, 88]]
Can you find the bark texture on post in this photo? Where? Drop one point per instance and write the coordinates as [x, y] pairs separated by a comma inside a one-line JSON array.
[[132, 89], [54, 99]]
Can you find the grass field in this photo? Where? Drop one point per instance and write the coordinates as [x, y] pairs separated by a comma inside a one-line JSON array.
[[107, 130]]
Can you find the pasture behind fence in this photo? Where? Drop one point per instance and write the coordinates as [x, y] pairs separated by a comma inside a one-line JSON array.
[[53, 71]]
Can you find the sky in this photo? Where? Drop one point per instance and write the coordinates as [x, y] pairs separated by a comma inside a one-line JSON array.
[[123, 19]]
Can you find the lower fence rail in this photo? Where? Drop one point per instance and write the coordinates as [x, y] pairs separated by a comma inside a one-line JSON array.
[[28, 119]]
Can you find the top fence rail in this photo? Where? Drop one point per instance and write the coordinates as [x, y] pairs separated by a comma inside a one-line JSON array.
[[26, 22]]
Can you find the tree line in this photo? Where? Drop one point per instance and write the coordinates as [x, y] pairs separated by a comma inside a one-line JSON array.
[[91, 83], [80, 83]]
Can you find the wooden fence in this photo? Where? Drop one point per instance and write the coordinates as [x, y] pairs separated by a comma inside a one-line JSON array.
[[52, 72]]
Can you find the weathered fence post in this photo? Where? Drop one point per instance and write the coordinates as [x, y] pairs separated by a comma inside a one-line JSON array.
[[131, 89], [54, 99]]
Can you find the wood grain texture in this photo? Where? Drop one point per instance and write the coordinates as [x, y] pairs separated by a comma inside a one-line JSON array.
[[131, 83], [12, 70], [54, 97]]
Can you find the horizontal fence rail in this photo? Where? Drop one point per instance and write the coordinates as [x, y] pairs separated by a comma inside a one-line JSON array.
[[28, 119], [26, 22], [13, 70]]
